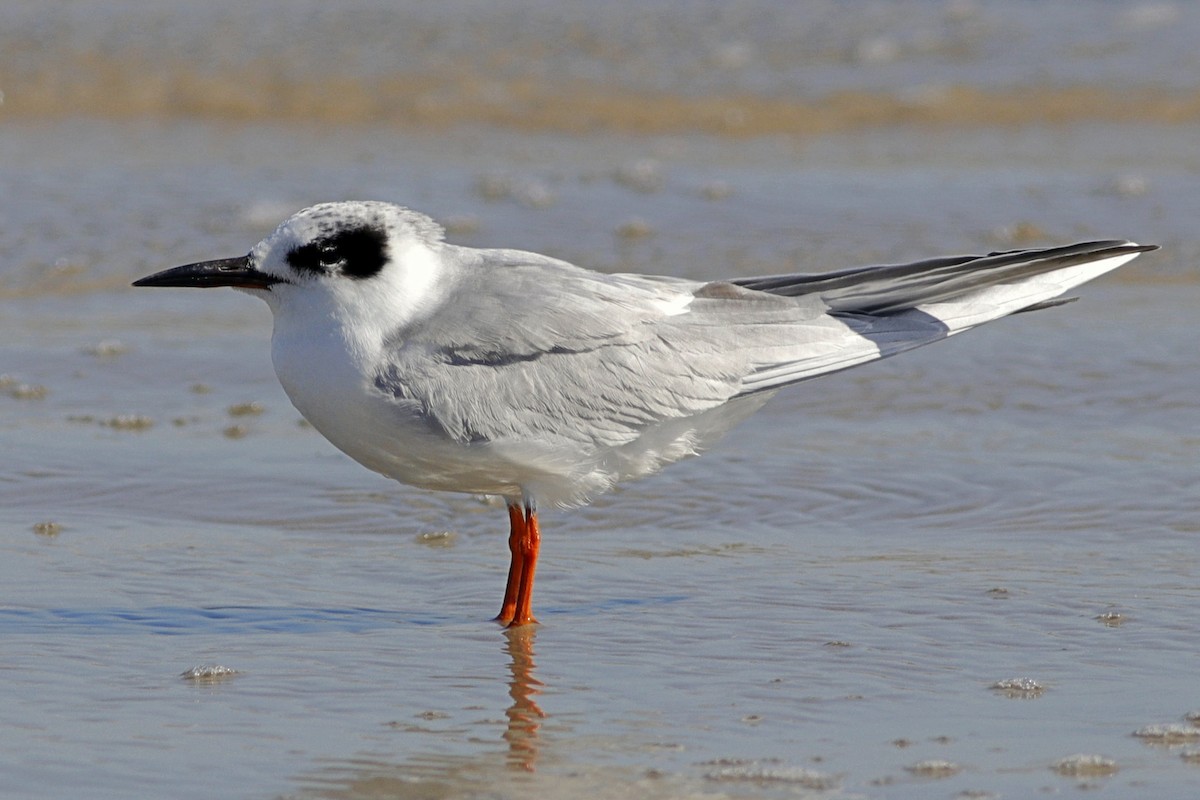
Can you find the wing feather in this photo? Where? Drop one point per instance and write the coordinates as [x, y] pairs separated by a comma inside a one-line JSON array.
[[589, 360], [548, 352]]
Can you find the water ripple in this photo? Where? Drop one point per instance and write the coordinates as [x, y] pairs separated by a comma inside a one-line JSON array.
[[180, 620]]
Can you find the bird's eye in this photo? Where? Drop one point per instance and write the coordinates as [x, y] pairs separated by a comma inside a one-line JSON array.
[[362, 251], [329, 257]]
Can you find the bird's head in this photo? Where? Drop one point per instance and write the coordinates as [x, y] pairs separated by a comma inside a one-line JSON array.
[[367, 259]]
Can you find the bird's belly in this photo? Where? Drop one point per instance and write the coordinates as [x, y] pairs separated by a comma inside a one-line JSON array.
[[399, 442], [395, 438]]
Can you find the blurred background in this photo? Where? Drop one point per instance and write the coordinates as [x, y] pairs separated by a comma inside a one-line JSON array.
[[820, 607], [646, 117]]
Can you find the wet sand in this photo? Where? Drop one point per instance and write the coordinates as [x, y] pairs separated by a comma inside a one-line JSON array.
[[966, 572]]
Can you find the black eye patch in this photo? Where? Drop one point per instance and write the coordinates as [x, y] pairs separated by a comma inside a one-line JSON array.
[[358, 252]]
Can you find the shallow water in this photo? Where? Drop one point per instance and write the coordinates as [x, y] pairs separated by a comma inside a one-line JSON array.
[[819, 607]]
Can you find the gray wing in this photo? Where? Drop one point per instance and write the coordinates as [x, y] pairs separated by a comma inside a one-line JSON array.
[[510, 306], [534, 348]]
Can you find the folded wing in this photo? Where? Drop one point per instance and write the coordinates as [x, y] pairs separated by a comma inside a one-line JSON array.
[[550, 354]]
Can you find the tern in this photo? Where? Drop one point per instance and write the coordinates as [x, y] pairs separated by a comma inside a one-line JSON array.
[[509, 373]]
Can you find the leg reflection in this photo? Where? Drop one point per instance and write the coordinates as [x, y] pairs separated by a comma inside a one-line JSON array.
[[524, 715]]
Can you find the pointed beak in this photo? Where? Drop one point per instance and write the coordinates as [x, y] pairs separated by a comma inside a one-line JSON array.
[[238, 272]]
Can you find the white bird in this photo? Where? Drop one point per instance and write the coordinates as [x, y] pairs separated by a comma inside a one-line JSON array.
[[509, 373]]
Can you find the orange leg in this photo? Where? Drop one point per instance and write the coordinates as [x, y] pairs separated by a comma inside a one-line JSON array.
[[516, 523], [530, 543]]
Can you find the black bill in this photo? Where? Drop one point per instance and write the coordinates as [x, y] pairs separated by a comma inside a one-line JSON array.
[[238, 272]]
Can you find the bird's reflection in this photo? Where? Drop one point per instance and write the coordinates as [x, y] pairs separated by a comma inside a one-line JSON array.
[[524, 715]]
